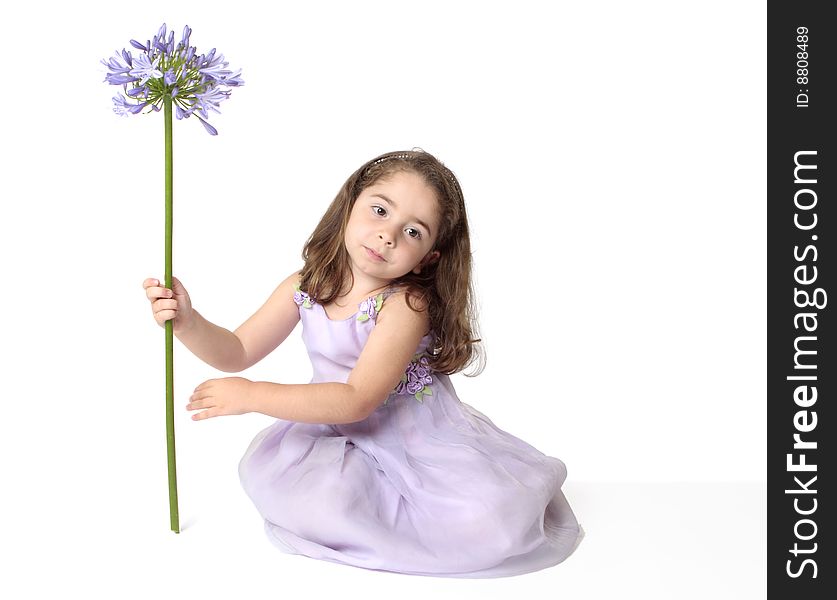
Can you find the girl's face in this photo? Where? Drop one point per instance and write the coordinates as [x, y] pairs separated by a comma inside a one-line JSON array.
[[392, 228]]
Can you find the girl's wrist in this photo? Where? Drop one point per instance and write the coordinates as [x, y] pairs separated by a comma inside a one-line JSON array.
[[257, 392], [189, 324]]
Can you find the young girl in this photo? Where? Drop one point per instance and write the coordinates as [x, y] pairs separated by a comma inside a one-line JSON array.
[[377, 463]]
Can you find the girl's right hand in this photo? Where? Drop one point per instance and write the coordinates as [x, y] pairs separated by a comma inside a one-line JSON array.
[[169, 304]]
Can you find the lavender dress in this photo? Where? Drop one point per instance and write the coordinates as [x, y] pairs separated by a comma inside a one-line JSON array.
[[426, 485]]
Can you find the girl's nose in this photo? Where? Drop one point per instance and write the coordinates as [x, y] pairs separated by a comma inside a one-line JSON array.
[[386, 238]]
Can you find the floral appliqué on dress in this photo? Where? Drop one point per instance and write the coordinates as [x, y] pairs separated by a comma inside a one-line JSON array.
[[302, 299], [416, 379], [369, 308]]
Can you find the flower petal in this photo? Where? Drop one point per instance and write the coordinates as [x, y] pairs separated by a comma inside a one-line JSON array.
[[209, 128], [119, 79]]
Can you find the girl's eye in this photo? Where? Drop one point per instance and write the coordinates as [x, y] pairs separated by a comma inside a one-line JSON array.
[[413, 233], [379, 210]]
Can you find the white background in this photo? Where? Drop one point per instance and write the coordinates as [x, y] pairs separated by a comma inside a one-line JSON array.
[[612, 156]]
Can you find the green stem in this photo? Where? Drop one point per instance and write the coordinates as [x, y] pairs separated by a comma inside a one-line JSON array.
[[173, 514]]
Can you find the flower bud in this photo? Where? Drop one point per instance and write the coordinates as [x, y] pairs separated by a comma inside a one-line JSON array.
[[187, 31], [209, 128]]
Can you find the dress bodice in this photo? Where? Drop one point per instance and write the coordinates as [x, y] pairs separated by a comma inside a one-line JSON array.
[[334, 345]]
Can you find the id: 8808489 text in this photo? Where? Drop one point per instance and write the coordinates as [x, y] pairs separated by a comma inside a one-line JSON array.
[[802, 67]]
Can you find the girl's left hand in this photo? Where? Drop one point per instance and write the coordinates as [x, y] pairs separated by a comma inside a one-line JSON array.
[[218, 397]]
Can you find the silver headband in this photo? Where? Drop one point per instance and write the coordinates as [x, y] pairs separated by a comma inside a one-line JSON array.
[[404, 156]]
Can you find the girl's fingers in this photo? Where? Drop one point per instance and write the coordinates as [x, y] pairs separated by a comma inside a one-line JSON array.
[[206, 410], [198, 396], [164, 304], [154, 290], [166, 315], [197, 403], [153, 293], [164, 310]]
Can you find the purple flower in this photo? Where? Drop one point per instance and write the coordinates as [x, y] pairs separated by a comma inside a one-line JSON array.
[[138, 92], [211, 99], [416, 379], [123, 108], [209, 128], [205, 61], [370, 307], [145, 69], [216, 68], [116, 64], [301, 298], [233, 80], [195, 83], [119, 68], [119, 79], [414, 386], [367, 307], [184, 40]]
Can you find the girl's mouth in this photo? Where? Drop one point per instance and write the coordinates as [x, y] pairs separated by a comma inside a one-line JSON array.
[[374, 255]]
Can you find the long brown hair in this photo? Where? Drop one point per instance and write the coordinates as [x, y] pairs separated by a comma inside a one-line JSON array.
[[444, 287]]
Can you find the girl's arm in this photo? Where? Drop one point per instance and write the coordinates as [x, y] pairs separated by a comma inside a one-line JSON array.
[[389, 349], [232, 352]]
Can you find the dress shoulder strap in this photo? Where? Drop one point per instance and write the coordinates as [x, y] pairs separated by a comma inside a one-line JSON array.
[[390, 291]]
